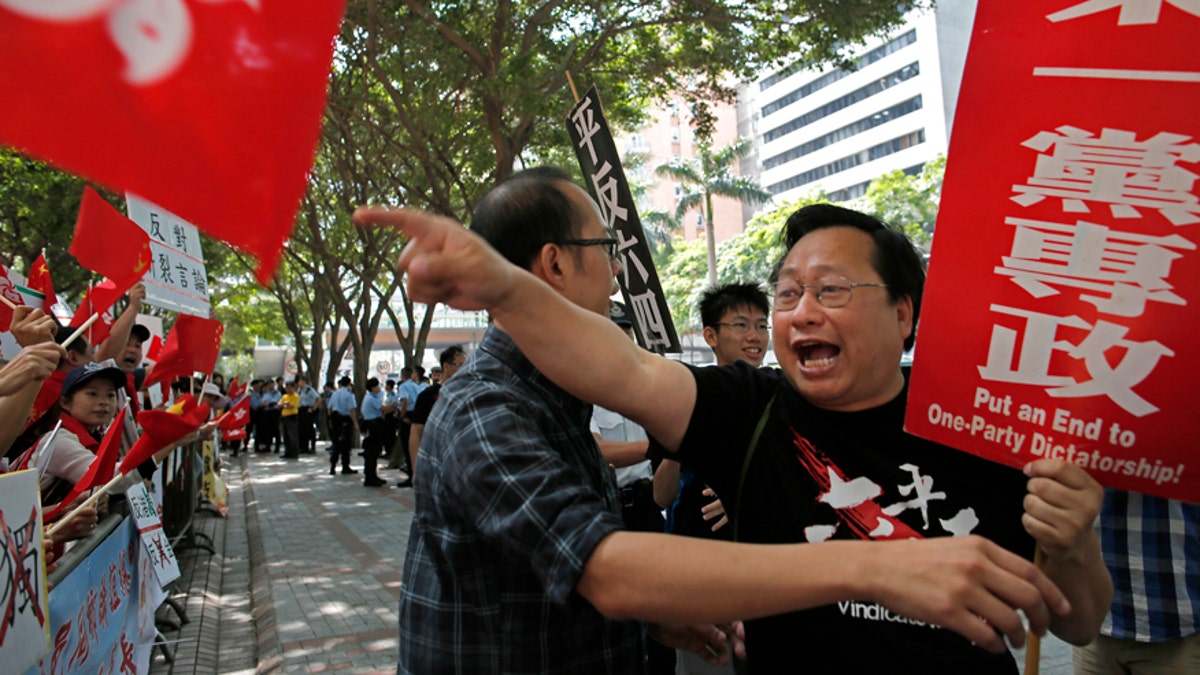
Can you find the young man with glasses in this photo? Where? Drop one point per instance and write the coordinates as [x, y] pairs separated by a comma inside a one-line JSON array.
[[734, 317], [852, 517]]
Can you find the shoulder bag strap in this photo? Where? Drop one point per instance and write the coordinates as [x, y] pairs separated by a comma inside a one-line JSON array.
[[762, 422]]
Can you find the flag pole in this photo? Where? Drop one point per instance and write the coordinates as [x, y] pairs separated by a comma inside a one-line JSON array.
[[79, 331], [571, 81], [8, 302], [95, 497], [1033, 645]]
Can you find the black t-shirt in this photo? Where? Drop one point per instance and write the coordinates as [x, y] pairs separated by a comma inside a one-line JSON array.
[[817, 474], [424, 404]]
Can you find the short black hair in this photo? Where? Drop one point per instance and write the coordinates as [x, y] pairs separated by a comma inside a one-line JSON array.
[[449, 354], [526, 211], [895, 259], [715, 301], [344, 381], [79, 345], [372, 382]]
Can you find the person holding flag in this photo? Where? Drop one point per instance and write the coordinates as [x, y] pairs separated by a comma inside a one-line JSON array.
[[88, 405]]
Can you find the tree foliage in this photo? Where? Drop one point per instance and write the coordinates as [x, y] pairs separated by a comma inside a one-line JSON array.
[[908, 201], [38, 208]]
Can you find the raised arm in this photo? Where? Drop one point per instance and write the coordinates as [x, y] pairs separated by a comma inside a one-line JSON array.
[[118, 337], [581, 351]]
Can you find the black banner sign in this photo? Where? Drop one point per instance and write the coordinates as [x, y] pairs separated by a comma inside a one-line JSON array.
[[597, 154]]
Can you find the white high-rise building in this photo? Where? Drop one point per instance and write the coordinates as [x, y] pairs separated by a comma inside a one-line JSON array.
[[837, 129]]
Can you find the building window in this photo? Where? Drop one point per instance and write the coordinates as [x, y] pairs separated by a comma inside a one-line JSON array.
[[862, 93], [870, 122], [892, 46], [849, 162]]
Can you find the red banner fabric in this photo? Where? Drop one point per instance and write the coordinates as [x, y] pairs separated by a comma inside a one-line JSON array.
[[107, 242], [209, 109], [192, 346], [1055, 320]]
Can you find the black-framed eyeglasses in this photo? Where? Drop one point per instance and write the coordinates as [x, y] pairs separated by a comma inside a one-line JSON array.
[[742, 327], [831, 292], [610, 242]]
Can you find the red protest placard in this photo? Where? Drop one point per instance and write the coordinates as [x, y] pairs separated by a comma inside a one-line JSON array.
[[1056, 320], [210, 108]]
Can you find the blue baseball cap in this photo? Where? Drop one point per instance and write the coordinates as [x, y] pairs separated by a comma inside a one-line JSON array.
[[86, 373]]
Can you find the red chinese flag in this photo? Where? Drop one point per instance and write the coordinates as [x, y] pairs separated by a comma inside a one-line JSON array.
[[192, 346], [107, 242], [101, 469], [236, 417], [162, 428], [155, 350], [210, 109], [38, 280], [50, 392], [8, 291]]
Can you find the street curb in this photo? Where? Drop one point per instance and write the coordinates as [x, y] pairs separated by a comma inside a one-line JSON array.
[[262, 606]]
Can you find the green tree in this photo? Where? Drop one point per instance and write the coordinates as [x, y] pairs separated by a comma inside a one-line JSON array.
[[709, 174], [908, 201], [38, 208]]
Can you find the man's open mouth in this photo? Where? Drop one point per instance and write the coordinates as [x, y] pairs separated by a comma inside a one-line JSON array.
[[815, 354]]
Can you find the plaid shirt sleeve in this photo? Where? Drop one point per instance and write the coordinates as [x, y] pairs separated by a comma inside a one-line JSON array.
[[1151, 546]]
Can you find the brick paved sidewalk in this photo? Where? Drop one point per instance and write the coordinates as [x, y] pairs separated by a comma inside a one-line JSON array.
[[306, 575]]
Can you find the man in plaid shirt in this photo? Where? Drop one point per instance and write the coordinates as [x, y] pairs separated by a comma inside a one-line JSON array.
[[1152, 549]]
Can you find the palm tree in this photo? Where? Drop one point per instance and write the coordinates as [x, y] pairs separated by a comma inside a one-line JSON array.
[[711, 173]]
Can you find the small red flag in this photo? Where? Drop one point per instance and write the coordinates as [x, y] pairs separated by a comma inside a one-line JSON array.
[[38, 280], [162, 428], [235, 389], [154, 351], [99, 300], [101, 469], [9, 292], [236, 417], [192, 346], [107, 242], [50, 392]]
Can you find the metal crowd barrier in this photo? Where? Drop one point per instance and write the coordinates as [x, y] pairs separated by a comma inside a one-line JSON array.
[[180, 500]]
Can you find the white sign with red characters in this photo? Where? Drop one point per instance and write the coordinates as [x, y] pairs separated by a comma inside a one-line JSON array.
[[1055, 321]]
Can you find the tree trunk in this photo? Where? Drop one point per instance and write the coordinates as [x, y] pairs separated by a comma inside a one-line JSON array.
[[712, 240]]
